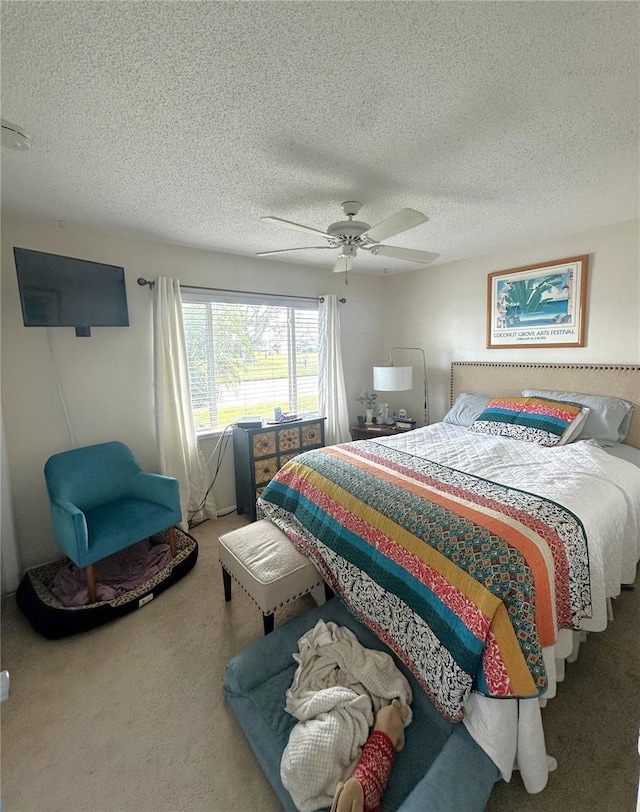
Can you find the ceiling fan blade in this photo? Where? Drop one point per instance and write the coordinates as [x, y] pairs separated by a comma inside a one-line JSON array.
[[400, 221], [302, 248], [403, 253], [289, 224], [343, 264]]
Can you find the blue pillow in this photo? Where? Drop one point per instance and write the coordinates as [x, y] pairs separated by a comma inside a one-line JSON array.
[[609, 418], [624, 452], [467, 408]]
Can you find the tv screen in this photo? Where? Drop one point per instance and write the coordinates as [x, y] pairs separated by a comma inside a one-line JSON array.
[[58, 291]]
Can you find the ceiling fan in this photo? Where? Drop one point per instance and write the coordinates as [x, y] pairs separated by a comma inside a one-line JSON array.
[[350, 235]]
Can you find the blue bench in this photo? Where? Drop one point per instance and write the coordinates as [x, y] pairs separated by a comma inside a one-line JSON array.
[[441, 768]]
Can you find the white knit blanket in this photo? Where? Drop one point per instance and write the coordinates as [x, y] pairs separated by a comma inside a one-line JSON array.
[[338, 688]]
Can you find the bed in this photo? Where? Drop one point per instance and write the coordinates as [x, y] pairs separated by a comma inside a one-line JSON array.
[[482, 549]]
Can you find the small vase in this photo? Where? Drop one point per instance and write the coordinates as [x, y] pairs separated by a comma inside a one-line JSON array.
[[368, 415]]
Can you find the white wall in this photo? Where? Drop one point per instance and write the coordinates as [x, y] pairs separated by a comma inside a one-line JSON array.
[[444, 309], [107, 380], [9, 563]]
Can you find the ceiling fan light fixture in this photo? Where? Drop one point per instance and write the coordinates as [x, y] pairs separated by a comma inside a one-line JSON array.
[[342, 264]]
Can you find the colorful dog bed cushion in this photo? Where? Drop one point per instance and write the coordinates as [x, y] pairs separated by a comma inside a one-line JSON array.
[[440, 768], [52, 619]]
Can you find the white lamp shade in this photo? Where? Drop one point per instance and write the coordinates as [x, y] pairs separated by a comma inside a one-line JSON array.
[[392, 379]]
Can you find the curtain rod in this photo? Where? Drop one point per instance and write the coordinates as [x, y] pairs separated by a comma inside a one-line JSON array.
[[142, 282]]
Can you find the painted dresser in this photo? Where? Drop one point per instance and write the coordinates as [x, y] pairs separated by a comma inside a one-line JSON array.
[[258, 453]]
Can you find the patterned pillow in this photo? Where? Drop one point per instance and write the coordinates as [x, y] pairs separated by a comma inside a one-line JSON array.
[[536, 420]]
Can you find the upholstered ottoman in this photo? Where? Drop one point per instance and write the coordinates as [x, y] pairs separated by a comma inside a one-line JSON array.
[[267, 566], [440, 769]]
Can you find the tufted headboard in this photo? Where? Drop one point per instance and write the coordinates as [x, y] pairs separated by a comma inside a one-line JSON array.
[[510, 379]]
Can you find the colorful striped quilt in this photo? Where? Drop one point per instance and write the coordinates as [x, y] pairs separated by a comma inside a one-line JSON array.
[[464, 579]]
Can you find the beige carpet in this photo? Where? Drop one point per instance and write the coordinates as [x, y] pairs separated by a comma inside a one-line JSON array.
[[130, 717]]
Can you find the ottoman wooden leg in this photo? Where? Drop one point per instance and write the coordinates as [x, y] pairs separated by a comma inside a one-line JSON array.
[[269, 622], [226, 581]]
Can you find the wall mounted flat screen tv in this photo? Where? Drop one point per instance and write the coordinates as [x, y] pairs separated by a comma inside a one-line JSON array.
[[57, 291]]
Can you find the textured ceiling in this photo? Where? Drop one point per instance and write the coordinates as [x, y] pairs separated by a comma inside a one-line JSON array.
[[504, 122]]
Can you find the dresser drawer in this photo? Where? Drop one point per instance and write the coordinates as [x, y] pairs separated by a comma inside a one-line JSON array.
[[265, 469], [289, 439], [263, 444], [259, 453]]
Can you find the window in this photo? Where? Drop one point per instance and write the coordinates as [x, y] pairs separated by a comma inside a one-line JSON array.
[[247, 357]]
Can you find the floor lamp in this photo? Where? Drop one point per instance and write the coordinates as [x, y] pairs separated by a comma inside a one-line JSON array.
[[400, 379]]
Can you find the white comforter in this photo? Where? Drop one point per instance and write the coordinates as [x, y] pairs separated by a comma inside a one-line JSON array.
[[604, 492]]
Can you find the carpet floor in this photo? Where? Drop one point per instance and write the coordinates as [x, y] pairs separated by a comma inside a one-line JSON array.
[[129, 717]]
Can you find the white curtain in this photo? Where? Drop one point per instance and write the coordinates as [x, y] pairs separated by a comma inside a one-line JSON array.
[[180, 456], [333, 395]]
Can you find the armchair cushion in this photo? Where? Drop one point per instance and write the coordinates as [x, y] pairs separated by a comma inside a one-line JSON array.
[[120, 523], [102, 501]]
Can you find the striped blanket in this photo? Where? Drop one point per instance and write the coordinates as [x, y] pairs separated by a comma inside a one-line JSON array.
[[464, 579]]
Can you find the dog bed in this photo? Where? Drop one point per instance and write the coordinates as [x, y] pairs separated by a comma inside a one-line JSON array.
[[440, 769], [50, 618]]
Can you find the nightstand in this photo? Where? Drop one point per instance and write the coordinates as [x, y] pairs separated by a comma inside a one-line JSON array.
[[371, 432]]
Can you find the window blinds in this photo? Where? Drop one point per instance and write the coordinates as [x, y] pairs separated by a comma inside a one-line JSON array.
[[247, 357]]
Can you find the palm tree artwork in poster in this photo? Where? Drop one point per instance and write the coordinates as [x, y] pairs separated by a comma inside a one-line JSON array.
[[544, 300], [539, 305]]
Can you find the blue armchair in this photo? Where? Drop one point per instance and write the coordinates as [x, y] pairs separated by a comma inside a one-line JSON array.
[[102, 501]]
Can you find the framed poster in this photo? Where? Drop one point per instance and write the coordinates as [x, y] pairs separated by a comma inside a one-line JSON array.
[[538, 305]]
